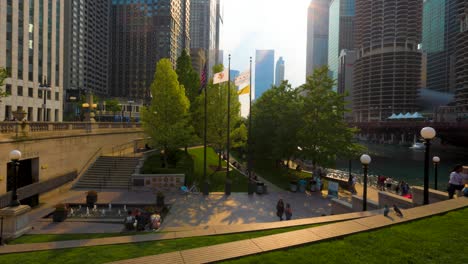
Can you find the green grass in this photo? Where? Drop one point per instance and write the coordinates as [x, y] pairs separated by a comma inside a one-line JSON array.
[[217, 179], [439, 239], [25, 239], [104, 254], [278, 175]]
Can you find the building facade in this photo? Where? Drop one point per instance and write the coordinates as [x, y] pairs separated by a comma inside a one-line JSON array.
[[317, 35], [440, 27], [142, 33], [387, 71], [198, 57], [264, 71], [279, 71], [345, 78], [87, 45], [340, 33], [461, 62], [203, 28], [31, 49]]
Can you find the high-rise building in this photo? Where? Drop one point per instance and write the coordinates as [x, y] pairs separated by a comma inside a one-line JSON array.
[[87, 45], [198, 57], [440, 27], [345, 77], [317, 35], [219, 25], [461, 54], [142, 33], [233, 74], [387, 71], [279, 71], [31, 49], [203, 28], [264, 71], [340, 33]]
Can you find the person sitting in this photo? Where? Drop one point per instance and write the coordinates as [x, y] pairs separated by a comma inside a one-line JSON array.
[[140, 220], [155, 221], [129, 221]]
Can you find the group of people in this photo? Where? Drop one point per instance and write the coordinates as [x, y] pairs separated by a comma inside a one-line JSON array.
[[281, 210], [458, 182], [140, 221]]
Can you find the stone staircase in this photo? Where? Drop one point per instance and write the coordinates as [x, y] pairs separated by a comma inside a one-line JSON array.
[[108, 173]]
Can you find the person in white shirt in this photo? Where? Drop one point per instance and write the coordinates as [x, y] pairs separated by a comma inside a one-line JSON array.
[[456, 180]]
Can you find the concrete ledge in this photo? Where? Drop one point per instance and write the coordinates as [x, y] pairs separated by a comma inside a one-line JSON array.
[[340, 207], [357, 204], [434, 195], [386, 198]]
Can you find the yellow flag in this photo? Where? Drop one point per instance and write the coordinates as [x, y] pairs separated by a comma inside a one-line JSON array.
[[245, 90]]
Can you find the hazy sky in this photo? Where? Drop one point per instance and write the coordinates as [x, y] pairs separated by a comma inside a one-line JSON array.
[[266, 24]]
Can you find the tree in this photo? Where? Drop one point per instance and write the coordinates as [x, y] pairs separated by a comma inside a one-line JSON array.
[[275, 123], [3, 76], [217, 114], [166, 118], [323, 134], [187, 76], [113, 106]]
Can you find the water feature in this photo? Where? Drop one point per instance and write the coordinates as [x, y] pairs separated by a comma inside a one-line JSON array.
[[407, 164]]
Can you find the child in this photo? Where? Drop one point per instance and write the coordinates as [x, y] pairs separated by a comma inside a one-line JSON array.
[[288, 212]]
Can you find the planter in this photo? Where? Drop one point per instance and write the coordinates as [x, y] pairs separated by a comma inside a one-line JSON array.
[[60, 215], [293, 186], [91, 200], [302, 188]]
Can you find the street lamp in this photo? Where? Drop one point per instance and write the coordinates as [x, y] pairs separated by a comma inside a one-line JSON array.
[[365, 160], [44, 87], [15, 155], [427, 133], [436, 161]]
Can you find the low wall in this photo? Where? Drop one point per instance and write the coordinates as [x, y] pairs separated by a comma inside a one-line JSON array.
[[390, 199], [340, 207], [357, 204], [434, 195], [157, 182]]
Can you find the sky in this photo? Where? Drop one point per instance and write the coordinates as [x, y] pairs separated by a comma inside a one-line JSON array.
[[266, 24]]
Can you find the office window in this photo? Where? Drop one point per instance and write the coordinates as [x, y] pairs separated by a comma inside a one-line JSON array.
[[20, 90], [30, 92], [57, 96], [8, 89], [49, 95], [30, 114]]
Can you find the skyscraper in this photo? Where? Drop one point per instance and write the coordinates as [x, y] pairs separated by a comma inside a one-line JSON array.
[[264, 71], [440, 27], [317, 35], [387, 72], [345, 77], [340, 33], [87, 45], [461, 54], [142, 33], [203, 28], [279, 71], [31, 49]]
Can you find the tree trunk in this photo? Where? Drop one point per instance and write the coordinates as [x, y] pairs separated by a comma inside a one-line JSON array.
[[186, 149]]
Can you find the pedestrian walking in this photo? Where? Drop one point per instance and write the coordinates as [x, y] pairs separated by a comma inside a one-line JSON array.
[[280, 209], [288, 212], [455, 181]]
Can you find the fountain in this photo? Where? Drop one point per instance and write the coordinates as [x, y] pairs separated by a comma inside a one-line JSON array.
[[95, 208], [71, 211], [125, 208], [119, 213], [103, 212], [110, 207], [87, 211]]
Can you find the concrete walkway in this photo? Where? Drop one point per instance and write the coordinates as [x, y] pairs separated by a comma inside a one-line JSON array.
[[173, 233], [264, 244]]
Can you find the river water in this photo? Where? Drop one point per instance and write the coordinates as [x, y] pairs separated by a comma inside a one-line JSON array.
[[405, 164]]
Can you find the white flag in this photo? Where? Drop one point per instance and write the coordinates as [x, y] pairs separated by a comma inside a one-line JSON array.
[[221, 77], [242, 78]]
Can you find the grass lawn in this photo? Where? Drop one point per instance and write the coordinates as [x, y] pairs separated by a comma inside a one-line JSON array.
[[277, 175], [439, 239], [25, 239], [217, 179], [104, 254]]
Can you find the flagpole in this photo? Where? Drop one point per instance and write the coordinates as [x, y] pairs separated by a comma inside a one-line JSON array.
[[205, 127], [249, 146], [228, 191]]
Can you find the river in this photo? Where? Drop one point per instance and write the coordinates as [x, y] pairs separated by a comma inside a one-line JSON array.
[[405, 164]]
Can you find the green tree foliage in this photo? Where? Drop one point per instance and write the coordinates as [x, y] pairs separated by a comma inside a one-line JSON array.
[[3, 76], [324, 135], [165, 120], [276, 122], [217, 115], [113, 106], [187, 76]]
